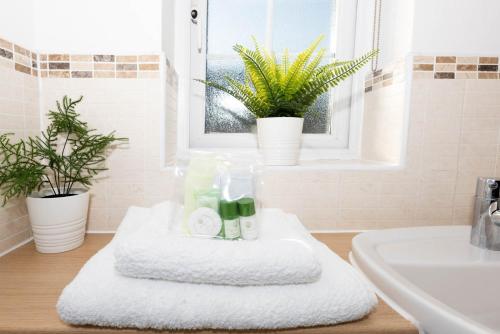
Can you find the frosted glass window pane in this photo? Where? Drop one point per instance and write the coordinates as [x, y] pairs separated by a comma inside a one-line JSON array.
[[295, 23]]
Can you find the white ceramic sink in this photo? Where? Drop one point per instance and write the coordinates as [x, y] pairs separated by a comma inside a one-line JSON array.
[[435, 276]]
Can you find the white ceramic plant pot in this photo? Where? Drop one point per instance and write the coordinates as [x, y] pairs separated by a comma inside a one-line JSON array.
[[58, 223], [280, 139]]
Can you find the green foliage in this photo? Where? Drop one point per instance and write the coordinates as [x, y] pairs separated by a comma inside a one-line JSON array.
[[286, 89], [37, 162]]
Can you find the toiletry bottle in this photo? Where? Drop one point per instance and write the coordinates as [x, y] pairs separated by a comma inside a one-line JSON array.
[[248, 220], [230, 219], [200, 176], [208, 199]]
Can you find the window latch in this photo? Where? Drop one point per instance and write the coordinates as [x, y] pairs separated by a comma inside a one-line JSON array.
[[197, 21]]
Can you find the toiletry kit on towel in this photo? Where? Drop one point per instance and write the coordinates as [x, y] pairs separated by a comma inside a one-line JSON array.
[[102, 295], [279, 256], [218, 196]]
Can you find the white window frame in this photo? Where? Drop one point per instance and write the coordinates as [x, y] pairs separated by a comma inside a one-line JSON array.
[[338, 145]]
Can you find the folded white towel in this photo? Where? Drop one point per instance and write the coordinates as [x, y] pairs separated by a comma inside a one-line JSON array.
[[280, 256], [101, 296]]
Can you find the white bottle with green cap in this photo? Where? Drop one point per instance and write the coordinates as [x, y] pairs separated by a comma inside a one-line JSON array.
[[248, 220], [230, 219]]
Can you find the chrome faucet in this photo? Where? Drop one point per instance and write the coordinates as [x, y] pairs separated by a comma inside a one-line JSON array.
[[485, 231]]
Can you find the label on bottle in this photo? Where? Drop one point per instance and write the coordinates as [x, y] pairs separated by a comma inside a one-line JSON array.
[[205, 222], [232, 228], [249, 228]]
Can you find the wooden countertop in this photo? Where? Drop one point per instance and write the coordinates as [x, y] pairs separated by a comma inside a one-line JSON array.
[[30, 284]]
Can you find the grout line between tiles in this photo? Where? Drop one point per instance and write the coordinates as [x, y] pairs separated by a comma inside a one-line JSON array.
[[461, 133]]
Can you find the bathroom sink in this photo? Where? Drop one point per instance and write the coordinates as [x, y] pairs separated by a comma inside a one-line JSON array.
[[433, 276]]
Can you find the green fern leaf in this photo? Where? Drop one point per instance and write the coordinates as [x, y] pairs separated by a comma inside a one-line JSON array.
[[272, 89], [297, 66]]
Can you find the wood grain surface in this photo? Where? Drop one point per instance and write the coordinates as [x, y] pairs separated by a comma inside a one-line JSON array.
[[30, 284]]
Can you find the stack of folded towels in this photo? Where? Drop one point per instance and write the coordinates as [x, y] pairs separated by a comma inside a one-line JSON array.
[[151, 277]]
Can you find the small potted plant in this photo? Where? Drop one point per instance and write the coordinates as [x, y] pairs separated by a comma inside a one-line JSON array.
[[54, 170], [278, 94]]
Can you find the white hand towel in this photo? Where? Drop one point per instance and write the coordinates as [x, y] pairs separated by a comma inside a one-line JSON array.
[[280, 256], [100, 296]]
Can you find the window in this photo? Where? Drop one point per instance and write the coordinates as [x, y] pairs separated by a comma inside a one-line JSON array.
[[217, 120]]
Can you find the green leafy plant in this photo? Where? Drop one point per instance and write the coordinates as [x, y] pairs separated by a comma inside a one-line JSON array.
[[286, 89], [39, 162]]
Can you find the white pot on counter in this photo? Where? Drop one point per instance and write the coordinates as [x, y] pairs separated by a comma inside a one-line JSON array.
[[280, 139], [58, 223]]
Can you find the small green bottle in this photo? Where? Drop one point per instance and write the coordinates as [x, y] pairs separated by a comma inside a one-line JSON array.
[[248, 220], [230, 219]]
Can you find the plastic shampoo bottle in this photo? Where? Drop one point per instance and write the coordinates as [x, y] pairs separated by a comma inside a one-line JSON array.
[[248, 219], [230, 219]]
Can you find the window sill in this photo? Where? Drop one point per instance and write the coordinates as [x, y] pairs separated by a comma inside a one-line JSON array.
[[339, 165], [361, 165]]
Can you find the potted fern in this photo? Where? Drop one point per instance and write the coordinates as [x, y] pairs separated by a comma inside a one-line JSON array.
[[54, 170], [278, 94]]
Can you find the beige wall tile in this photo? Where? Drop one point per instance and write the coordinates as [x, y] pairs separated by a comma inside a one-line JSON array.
[[23, 60], [453, 128], [14, 240], [446, 59], [126, 67], [126, 59], [58, 57], [488, 60], [466, 75], [20, 50], [19, 114], [423, 67], [126, 74], [487, 75], [81, 74], [423, 75], [4, 44], [104, 74], [466, 67], [6, 63], [22, 68], [149, 58], [59, 74], [104, 66], [423, 59], [445, 67], [468, 60], [81, 66], [97, 219], [148, 75], [149, 67], [81, 58]]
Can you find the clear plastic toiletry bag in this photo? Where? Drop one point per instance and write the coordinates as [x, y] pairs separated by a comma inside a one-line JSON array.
[[217, 196]]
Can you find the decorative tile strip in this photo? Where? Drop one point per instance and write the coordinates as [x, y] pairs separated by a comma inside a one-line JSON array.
[[455, 67], [78, 66], [100, 66], [18, 58], [385, 77]]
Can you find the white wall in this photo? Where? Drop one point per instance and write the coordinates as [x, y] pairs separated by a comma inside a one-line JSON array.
[[457, 27], [17, 22], [168, 28], [98, 26], [435, 27], [395, 30]]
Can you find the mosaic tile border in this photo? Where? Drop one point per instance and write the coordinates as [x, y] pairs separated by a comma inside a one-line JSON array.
[[18, 58], [456, 67], [99, 66], [385, 77], [78, 66]]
